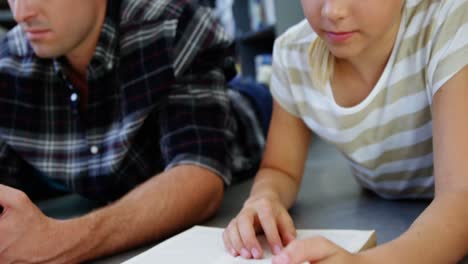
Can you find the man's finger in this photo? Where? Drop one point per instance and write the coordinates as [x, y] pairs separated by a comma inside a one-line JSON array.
[[10, 196]]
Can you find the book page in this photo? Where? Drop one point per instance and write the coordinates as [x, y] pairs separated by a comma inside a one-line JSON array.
[[204, 245]]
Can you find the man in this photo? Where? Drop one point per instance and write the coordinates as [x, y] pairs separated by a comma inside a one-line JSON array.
[[96, 98]]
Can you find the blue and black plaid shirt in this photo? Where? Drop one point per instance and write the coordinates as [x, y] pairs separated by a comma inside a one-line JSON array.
[[157, 98]]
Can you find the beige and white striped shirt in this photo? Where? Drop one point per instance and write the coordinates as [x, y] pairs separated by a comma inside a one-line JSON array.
[[387, 138]]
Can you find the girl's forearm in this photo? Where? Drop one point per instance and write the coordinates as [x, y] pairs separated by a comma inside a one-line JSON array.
[[439, 235], [275, 184]]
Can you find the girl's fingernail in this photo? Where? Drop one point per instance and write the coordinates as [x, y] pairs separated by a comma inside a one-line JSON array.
[[233, 252], [245, 253], [276, 250], [255, 253]]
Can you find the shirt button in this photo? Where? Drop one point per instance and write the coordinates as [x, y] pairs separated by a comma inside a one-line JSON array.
[[73, 97], [94, 150]]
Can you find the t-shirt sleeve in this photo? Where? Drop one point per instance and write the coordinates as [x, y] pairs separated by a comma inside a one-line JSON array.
[[449, 46], [280, 85]]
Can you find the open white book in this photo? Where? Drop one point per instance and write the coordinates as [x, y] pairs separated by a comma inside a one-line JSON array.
[[204, 245]]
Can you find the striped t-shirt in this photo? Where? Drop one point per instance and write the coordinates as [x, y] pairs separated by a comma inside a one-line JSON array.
[[387, 137]]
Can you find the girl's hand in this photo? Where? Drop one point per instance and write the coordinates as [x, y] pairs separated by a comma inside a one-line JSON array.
[[317, 250], [265, 214]]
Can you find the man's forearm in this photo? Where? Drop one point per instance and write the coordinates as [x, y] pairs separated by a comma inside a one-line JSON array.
[[439, 235], [162, 206]]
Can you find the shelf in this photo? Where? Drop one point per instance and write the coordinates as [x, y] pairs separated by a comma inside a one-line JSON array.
[[6, 16], [267, 33], [6, 19], [250, 43]]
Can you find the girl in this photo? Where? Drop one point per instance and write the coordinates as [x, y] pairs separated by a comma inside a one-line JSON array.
[[385, 81]]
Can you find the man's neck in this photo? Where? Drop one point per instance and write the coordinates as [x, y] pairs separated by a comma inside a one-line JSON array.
[[80, 57]]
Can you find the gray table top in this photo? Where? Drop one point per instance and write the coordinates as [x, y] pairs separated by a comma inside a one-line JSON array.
[[329, 198]]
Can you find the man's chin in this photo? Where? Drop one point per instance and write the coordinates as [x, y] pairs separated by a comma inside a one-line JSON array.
[[45, 54]]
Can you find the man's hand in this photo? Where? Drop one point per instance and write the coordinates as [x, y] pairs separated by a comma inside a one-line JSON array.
[[152, 211], [317, 250], [26, 234]]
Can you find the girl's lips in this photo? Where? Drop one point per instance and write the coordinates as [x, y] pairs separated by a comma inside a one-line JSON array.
[[339, 36]]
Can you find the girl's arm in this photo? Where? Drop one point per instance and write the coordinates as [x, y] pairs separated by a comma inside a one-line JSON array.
[[274, 190], [440, 234], [284, 159]]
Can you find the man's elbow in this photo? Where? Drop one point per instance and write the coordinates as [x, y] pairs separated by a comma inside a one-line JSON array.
[[214, 198], [206, 190]]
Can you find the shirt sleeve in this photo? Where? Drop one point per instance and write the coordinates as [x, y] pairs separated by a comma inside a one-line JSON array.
[[196, 120], [449, 47], [280, 85]]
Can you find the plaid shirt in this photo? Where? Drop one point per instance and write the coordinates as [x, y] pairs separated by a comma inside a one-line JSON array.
[[157, 99]]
